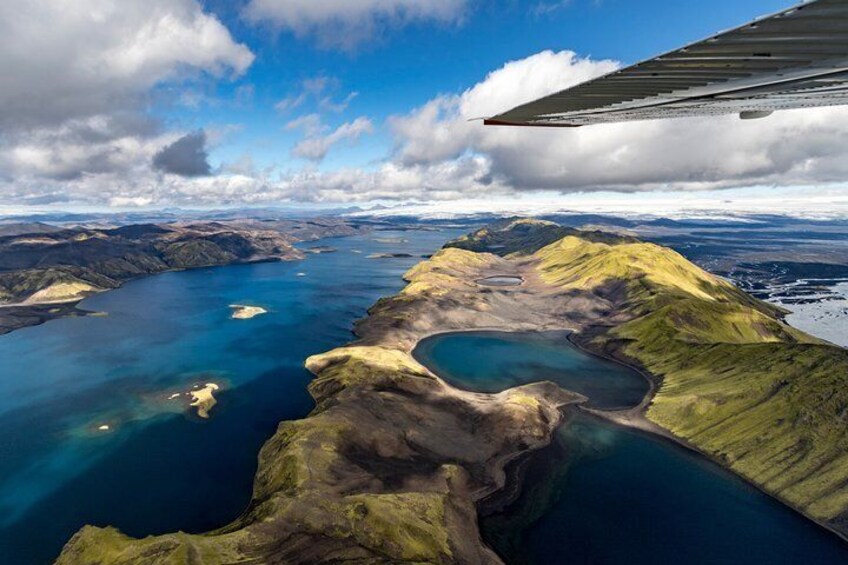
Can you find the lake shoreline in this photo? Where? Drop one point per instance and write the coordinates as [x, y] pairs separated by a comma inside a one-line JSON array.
[[633, 418], [166, 334], [636, 419], [262, 246], [70, 308], [452, 466], [387, 430]]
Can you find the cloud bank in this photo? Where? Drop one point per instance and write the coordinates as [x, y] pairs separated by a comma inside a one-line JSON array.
[[437, 153], [74, 96], [792, 147]]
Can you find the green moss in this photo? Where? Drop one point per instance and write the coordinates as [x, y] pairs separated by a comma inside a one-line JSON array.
[[298, 456], [108, 546], [696, 321], [195, 253], [775, 412], [410, 526], [358, 365], [447, 270], [576, 263]]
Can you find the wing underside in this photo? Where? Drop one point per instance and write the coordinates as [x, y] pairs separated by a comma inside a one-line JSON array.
[[797, 58]]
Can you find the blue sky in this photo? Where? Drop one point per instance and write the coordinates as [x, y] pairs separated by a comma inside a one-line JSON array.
[[152, 103], [404, 68]]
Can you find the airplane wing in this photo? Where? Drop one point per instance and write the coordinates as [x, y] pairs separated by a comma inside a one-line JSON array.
[[797, 58]]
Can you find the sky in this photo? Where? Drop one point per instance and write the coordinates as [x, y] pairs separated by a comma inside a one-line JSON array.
[[121, 104]]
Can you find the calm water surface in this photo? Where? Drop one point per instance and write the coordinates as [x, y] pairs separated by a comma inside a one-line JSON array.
[[496, 361], [602, 494], [159, 468], [501, 281]]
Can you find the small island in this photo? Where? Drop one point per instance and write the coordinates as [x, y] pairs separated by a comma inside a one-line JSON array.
[[242, 312], [204, 399], [319, 249]]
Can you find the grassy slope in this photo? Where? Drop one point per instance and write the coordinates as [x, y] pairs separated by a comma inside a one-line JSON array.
[[737, 382]]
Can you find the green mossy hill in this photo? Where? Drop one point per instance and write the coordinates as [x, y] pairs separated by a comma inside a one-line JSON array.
[[196, 253], [644, 274], [734, 380], [440, 291], [523, 236], [447, 270], [108, 546]]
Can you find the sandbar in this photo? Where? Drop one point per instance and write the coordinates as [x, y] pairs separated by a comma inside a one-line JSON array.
[[241, 312], [204, 399]]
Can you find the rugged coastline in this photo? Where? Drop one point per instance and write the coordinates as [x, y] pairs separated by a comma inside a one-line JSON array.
[[392, 462], [45, 277]]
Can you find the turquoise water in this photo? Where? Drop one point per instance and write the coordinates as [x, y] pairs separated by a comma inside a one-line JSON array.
[[160, 468], [495, 361], [602, 494]]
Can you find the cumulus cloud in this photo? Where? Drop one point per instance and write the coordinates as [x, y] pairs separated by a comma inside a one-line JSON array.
[[73, 99], [792, 147], [186, 157], [319, 139], [346, 24], [77, 147], [99, 55], [439, 155]]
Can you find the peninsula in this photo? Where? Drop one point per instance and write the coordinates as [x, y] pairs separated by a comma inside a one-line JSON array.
[[392, 462]]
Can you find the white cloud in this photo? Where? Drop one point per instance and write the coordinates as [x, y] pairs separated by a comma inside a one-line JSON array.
[[321, 90], [63, 59], [129, 201], [77, 74], [792, 147], [290, 103], [97, 144], [440, 155], [317, 144], [311, 124], [348, 23]]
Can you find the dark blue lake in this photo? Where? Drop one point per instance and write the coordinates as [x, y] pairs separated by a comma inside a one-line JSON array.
[[160, 468], [602, 494]]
